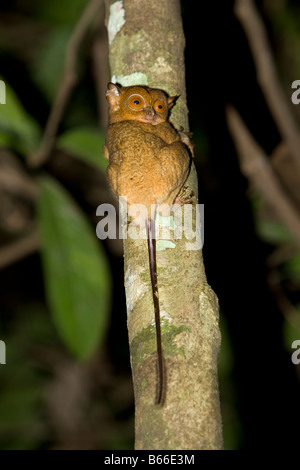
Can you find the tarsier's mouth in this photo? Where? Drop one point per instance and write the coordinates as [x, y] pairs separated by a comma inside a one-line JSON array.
[[149, 119]]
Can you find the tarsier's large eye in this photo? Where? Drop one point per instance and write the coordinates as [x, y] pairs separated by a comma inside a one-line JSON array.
[[159, 106], [136, 102]]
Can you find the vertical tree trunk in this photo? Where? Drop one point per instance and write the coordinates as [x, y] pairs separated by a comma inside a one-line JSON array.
[[146, 47]]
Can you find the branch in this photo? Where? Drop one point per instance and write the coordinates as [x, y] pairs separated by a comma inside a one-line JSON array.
[[18, 193], [66, 86], [267, 75], [13, 178], [289, 311], [190, 417], [19, 249], [256, 167]]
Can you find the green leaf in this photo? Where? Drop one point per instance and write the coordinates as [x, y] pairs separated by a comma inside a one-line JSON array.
[[86, 144], [53, 13], [292, 267], [51, 57], [77, 276], [291, 329], [272, 232], [17, 128], [5, 139], [48, 62]]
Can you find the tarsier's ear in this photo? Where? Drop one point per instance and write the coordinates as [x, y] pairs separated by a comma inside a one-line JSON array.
[[113, 93], [172, 100]]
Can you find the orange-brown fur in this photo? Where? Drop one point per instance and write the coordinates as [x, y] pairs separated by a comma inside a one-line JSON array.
[[148, 161]]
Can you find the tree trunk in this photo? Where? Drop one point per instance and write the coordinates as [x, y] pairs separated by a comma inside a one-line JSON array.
[[146, 47]]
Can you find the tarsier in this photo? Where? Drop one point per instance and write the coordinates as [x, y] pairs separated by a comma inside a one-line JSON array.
[[149, 162]]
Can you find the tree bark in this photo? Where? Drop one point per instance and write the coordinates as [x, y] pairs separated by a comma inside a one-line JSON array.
[[146, 44]]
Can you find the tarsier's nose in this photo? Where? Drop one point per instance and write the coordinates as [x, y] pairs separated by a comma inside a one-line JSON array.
[[149, 111]]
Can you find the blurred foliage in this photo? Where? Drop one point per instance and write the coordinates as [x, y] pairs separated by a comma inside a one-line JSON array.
[[21, 384], [84, 143], [77, 276], [51, 53], [272, 232], [18, 130], [76, 272], [54, 14], [286, 270], [286, 28]]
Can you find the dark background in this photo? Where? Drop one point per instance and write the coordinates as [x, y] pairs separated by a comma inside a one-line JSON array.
[[235, 257]]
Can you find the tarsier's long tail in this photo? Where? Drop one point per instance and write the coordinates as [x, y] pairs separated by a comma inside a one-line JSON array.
[[150, 227]]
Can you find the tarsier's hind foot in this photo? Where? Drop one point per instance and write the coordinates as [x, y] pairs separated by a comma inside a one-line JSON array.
[[185, 196]]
